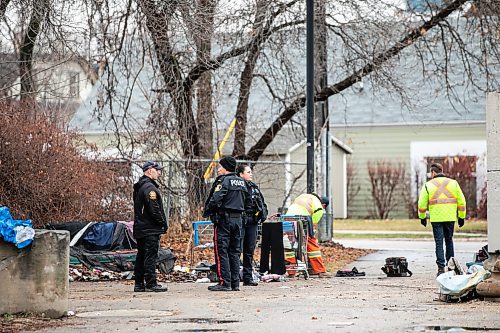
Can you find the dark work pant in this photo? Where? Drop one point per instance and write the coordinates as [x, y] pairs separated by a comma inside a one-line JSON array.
[[145, 262], [227, 241], [249, 237], [272, 242], [443, 230]]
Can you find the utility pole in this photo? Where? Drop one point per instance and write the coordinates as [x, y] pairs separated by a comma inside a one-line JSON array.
[[321, 121], [310, 94], [490, 288]]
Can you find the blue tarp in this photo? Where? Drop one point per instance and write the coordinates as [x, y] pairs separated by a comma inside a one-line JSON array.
[[19, 232], [100, 236]]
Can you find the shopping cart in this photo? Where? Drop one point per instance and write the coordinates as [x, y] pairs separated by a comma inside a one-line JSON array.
[[295, 236], [202, 237]]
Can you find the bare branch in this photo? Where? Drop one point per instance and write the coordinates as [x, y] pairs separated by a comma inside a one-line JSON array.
[[296, 105]]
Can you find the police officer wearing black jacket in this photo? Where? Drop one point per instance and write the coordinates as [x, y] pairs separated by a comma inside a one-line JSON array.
[[225, 205], [150, 223], [255, 213]]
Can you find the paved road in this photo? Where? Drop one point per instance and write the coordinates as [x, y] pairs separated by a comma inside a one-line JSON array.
[[396, 232], [373, 303]]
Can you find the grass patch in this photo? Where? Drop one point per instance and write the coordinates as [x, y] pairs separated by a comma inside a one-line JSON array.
[[472, 226], [341, 235]]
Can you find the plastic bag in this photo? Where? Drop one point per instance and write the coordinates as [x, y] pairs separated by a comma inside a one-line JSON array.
[[19, 232], [458, 285]]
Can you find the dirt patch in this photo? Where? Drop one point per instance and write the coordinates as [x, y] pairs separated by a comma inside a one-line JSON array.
[[31, 322], [334, 254]]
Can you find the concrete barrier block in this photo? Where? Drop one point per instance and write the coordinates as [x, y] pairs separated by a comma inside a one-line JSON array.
[[35, 279]]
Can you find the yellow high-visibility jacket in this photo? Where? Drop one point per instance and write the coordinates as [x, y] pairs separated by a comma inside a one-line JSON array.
[[444, 199], [307, 205]]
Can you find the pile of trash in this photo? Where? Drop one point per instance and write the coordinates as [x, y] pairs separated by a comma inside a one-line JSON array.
[[95, 274], [83, 273], [459, 284]]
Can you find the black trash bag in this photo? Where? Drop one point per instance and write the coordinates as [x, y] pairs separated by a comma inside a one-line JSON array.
[[166, 260]]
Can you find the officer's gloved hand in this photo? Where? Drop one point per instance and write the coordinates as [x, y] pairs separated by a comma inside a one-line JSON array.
[[423, 222], [461, 222]]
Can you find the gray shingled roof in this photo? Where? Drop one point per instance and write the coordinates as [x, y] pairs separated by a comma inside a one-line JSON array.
[[353, 106]]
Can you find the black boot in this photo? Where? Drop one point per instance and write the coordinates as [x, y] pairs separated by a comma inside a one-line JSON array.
[[138, 288], [157, 289], [218, 287], [250, 283]]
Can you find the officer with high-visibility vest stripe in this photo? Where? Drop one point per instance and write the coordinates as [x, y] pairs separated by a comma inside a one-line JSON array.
[[444, 199], [312, 206]]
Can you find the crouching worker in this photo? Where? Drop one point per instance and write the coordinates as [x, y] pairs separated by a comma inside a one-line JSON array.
[[311, 206], [225, 205], [150, 222]]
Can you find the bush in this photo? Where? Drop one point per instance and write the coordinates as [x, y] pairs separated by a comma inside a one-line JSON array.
[[44, 177]]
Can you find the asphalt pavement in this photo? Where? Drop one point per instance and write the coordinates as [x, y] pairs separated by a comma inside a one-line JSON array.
[[373, 303]]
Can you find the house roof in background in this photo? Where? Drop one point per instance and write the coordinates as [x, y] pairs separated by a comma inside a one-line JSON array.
[[366, 104]]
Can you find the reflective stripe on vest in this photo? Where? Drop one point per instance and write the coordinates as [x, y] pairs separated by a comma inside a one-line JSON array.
[[289, 255], [314, 254], [441, 189]]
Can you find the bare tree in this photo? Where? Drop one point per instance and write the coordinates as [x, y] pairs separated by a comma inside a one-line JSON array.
[[247, 77], [386, 178], [198, 49], [377, 60], [38, 15]]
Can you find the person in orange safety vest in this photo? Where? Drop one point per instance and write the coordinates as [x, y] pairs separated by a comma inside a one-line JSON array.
[[312, 206]]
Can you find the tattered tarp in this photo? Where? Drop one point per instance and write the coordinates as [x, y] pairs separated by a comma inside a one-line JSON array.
[[108, 245], [19, 232], [119, 261], [99, 236]]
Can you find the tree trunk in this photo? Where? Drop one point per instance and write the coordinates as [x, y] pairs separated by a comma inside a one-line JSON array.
[[38, 15], [172, 75], [246, 82], [203, 34], [3, 7]]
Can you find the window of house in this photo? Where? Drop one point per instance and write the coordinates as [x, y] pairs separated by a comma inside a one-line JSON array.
[[74, 84], [424, 5]]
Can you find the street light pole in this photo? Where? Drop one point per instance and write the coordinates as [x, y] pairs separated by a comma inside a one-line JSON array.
[[310, 94]]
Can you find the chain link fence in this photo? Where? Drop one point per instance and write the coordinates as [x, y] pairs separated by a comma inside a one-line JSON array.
[[184, 189]]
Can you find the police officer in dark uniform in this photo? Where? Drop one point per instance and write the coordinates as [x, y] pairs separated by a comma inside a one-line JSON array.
[[255, 213], [150, 222], [225, 205]]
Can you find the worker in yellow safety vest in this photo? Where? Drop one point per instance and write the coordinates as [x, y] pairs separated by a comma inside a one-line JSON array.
[[444, 199], [312, 206]]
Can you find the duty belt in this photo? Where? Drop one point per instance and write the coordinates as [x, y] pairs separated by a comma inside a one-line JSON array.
[[232, 214]]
